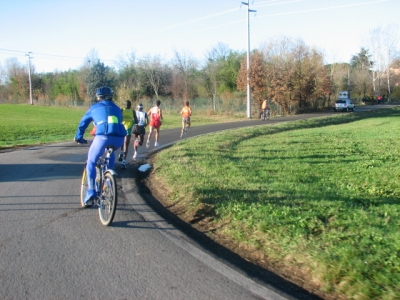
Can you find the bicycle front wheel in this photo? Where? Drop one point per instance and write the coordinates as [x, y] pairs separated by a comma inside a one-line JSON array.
[[84, 187], [108, 199]]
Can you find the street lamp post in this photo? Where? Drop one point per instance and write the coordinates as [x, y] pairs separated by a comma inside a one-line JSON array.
[[388, 79], [30, 80], [373, 76], [248, 59]]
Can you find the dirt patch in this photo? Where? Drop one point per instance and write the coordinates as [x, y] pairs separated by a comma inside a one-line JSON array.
[[201, 219]]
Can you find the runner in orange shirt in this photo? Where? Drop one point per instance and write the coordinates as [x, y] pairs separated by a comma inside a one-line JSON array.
[[186, 113]]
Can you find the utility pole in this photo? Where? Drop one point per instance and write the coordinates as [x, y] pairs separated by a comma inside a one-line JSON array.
[[248, 59], [388, 79], [30, 79], [379, 80], [373, 76], [348, 83]]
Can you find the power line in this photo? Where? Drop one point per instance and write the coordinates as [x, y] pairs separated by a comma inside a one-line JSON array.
[[319, 9], [270, 3], [177, 25], [279, 3], [49, 55], [15, 51]]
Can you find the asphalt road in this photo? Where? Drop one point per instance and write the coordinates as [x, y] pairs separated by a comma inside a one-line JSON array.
[[51, 248]]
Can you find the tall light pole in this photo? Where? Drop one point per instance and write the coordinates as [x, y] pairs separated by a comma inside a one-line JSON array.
[[30, 80], [248, 58], [348, 83], [388, 79], [373, 76]]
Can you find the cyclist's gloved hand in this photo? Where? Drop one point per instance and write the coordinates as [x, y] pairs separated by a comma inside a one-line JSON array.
[[80, 140]]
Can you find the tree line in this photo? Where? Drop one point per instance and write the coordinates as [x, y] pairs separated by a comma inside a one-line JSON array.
[[287, 72]]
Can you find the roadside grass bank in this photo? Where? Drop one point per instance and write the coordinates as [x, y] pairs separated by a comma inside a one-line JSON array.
[[315, 200], [28, 125]]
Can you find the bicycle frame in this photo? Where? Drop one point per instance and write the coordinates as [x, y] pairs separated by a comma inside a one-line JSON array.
[[102, 167], [265, 114], [105, 187]]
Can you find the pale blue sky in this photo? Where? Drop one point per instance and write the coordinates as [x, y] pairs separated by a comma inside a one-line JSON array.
[[67, 30]]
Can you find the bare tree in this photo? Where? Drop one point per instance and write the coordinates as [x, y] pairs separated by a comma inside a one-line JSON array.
[[186, 68], [130, 82], [126, 60], [383, 43], [211, 72], [88, 62], [2, 75], [17, 78], [337, 73], [360, 74], [153, 69]]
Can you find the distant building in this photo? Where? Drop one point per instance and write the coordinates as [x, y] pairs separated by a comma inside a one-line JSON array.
[[344, 95]]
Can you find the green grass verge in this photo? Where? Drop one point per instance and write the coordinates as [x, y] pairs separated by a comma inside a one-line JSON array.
[[320, 194], [23, 125], [26, 125]]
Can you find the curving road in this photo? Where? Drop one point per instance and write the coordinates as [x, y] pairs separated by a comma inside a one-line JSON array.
[[51, 248]]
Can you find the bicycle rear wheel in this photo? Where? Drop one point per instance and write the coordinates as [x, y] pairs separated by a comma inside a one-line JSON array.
[[108, 199], [84, 187]]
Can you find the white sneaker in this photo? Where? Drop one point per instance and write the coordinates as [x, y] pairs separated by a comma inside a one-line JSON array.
[[156, 144], [147, 144], [134, 155], [121, 156], [181, 135]]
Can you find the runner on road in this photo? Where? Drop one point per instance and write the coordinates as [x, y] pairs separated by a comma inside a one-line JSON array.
[[128, 119], [139, 129], [186, 113], [155, 114]]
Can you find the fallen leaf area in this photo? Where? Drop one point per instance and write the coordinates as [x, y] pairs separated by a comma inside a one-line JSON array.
[[200, 219]]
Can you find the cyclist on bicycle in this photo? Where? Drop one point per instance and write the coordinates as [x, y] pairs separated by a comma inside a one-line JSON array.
[[186, 113], [264, 107], [107, 118]]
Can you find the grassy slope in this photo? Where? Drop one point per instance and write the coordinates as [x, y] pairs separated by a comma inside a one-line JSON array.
[[320, 197]]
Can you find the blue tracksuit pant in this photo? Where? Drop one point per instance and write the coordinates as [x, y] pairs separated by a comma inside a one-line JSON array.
[[100, 142]]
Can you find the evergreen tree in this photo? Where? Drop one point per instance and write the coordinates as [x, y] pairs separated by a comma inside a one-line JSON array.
[[97, 77]]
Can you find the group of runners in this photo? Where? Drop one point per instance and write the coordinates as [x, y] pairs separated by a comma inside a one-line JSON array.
[[113, 127], [135, 123]]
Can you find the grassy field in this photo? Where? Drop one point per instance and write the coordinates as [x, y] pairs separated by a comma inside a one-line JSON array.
[[318, 197], [23, 125]]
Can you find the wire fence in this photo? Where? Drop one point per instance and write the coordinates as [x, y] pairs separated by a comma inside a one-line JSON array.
[[234, 106]]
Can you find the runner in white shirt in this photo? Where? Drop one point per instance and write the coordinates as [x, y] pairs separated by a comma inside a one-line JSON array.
[[139, 130]]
